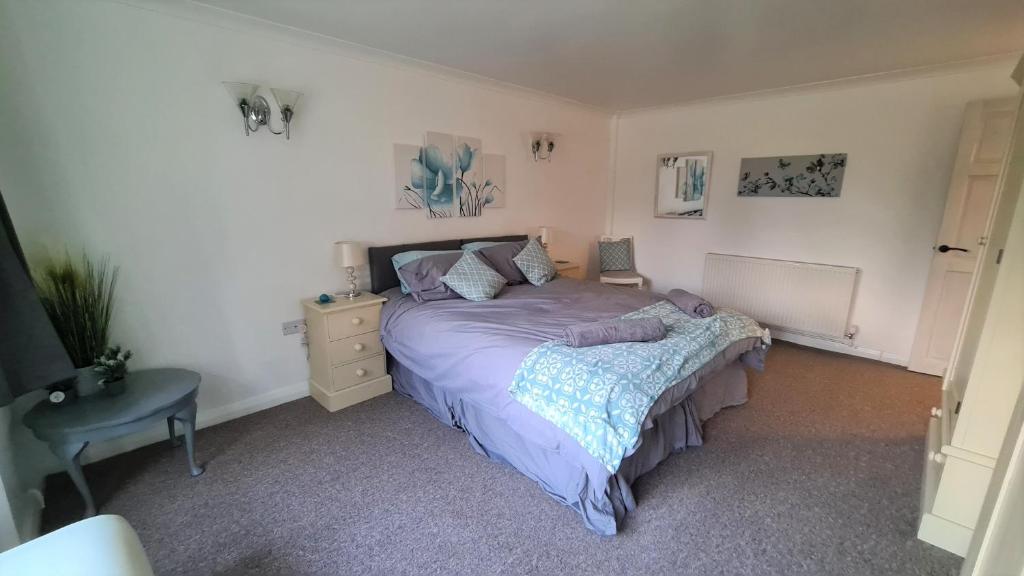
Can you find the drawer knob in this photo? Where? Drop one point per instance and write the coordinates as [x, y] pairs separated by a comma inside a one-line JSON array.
[[937, 412], [360, 372], [357, 321], [937, 457], [359, 347]]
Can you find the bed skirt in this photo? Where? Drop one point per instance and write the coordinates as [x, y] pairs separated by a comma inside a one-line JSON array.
[[602, 502]]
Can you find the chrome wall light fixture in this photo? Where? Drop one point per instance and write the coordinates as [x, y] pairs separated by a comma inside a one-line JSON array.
[[256, 110], [542, 144]]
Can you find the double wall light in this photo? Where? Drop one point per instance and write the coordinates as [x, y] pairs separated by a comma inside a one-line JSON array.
[[256, 110], [542, 144]]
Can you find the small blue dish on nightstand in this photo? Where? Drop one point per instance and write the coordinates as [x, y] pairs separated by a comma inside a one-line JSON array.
[[325, 299]]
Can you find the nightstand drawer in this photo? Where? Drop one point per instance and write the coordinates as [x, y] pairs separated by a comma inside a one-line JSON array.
[[352, 322], [353, 373], [355, 347]]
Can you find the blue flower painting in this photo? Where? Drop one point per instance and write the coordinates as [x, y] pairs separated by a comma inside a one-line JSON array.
[[434, 175], [424, 177], [468, 160], [407, 197], [447, 171], [494, 181]]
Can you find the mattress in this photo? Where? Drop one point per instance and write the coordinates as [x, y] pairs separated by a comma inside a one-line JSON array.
[[457, 358]]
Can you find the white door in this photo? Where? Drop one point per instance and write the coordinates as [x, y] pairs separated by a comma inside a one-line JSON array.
[[984, 140]]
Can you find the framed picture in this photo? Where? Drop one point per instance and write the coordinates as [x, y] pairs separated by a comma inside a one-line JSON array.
[[448, 175], [682, 185], [813, 176]]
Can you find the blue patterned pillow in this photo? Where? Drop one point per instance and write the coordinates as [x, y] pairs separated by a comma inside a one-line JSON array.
[[616, 255], [473, 279], [535, 263]]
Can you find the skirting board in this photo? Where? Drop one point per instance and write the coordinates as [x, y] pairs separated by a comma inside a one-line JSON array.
[[203, 419], [831, 346]]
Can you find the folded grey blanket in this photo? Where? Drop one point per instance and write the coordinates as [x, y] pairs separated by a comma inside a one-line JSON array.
[[614, 332], [690, 304]]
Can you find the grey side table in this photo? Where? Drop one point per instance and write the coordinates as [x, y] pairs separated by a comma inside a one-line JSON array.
[[150, 396]]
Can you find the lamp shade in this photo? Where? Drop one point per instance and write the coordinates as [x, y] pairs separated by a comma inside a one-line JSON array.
[[545, 235], [241, 91], [349, 254], [285, 98]]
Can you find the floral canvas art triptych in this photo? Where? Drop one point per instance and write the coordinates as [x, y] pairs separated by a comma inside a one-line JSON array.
[[448, 176]]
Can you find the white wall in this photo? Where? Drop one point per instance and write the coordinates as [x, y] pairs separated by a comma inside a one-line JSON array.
[[901, 136], [119, 138]]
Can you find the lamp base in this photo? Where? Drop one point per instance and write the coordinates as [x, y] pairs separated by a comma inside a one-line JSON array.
[[353, 291]]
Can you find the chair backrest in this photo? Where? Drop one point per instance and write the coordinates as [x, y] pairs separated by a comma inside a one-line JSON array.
[[632, 248]]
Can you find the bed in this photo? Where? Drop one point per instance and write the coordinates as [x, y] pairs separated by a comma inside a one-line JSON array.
[[457, 358]]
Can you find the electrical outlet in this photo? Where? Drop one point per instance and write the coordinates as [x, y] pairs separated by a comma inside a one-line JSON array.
[[293, 327]]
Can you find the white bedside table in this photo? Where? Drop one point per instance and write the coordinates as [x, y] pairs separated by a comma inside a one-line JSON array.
[[346, 357], [569, 269]]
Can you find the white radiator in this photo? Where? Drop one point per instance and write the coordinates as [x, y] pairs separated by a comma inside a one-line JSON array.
[[809, 299]]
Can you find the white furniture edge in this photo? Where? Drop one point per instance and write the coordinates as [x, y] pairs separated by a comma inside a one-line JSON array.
[[104, 545], [934, 529]]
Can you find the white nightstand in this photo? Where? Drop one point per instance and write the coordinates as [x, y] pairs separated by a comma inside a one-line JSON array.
[[569, 269], [346, 357]]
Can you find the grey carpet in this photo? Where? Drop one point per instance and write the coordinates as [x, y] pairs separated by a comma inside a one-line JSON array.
[[818, 474]]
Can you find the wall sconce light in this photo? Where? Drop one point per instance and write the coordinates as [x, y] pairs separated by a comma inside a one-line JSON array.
[[542, 144], [256, 110]]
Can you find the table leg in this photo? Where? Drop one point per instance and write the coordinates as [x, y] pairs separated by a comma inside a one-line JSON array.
[[170, 432], [69, 455], [187, 417]]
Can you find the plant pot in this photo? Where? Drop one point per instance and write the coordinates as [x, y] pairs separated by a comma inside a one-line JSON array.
[[113, 388], [88, 381]]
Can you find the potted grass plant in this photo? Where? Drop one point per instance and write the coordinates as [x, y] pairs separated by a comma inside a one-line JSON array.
[[78, 296]]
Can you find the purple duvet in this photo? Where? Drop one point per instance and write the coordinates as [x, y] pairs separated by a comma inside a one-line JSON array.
[[457, 358]]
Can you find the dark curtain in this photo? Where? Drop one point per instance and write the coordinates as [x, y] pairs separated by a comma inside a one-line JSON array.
[[31, 354]]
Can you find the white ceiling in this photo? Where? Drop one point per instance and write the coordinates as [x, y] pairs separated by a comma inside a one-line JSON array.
[[620, 54]]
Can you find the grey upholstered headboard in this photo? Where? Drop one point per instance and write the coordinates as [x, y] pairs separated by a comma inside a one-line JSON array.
[[382, 273]]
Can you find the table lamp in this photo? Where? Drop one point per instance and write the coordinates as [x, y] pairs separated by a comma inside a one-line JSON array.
[[545, 236], [349, 255]]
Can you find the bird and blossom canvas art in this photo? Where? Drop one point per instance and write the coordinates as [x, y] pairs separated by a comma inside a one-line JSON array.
[[812, 176]]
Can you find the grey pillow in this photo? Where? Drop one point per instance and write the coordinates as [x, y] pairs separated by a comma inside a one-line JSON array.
[[423, 277], [616, 255], [500, 258]]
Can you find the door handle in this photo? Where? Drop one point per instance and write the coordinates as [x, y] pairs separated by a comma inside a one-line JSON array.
[[946, 248]]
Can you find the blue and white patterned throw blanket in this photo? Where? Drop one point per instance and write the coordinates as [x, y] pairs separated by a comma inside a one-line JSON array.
[[600, 395]]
